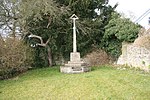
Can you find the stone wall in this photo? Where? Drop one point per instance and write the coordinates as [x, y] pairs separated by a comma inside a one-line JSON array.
[[136, 56]]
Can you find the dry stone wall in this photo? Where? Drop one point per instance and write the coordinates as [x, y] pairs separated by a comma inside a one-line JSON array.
[[136, 56]]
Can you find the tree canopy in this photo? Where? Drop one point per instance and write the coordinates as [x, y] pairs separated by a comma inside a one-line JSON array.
[[49, 19], [90, 26]]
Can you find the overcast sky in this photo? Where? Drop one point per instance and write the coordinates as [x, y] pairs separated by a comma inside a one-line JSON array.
[[133, 9]]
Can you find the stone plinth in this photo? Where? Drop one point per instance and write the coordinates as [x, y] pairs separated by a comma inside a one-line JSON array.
[[81, 69], [75, 65], [75, 57]]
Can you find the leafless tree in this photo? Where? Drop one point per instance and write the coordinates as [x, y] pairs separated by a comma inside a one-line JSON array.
[[49, 53]]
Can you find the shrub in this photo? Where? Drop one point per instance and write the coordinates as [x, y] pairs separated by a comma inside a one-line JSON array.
[[97, 57], [15, 57]]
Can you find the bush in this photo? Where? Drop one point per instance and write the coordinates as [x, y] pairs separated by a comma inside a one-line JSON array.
[[97, 57], [15, 57], [118, 30]]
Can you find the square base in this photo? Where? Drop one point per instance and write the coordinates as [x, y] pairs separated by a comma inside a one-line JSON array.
[[75, 57], [73, 70]]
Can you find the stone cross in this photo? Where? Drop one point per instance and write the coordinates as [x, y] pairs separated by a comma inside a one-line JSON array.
[[74, 17], [75, 65]]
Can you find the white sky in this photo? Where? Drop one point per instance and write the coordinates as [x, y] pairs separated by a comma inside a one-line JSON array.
[[133, 9]]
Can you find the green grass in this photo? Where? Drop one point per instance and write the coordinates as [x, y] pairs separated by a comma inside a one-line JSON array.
[[103, 83]]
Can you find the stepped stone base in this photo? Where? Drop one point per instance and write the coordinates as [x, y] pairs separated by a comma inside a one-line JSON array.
[[75, 65], [72, 70]]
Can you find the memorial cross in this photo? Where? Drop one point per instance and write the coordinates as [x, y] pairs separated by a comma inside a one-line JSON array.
[[74, 17]]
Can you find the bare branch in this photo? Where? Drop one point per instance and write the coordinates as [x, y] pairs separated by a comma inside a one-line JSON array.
[[1, 38], [47, 41], [40, 38], [36, 36], [49, 21]]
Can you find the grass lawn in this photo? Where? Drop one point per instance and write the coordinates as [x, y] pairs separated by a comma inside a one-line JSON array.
[[103, 83]]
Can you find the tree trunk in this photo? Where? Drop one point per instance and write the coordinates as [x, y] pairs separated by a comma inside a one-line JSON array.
[[14, 30], [1, 38], [49, 55]]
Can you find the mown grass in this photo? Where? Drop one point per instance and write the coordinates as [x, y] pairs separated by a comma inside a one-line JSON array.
[[103, 83]]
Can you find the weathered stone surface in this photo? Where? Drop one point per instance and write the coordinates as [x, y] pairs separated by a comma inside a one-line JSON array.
[[81, 69], [136, 54], [75, 57], [75, 65]]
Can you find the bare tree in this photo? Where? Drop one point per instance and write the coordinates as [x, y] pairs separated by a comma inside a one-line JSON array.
[[9, 16], [49, 53]]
